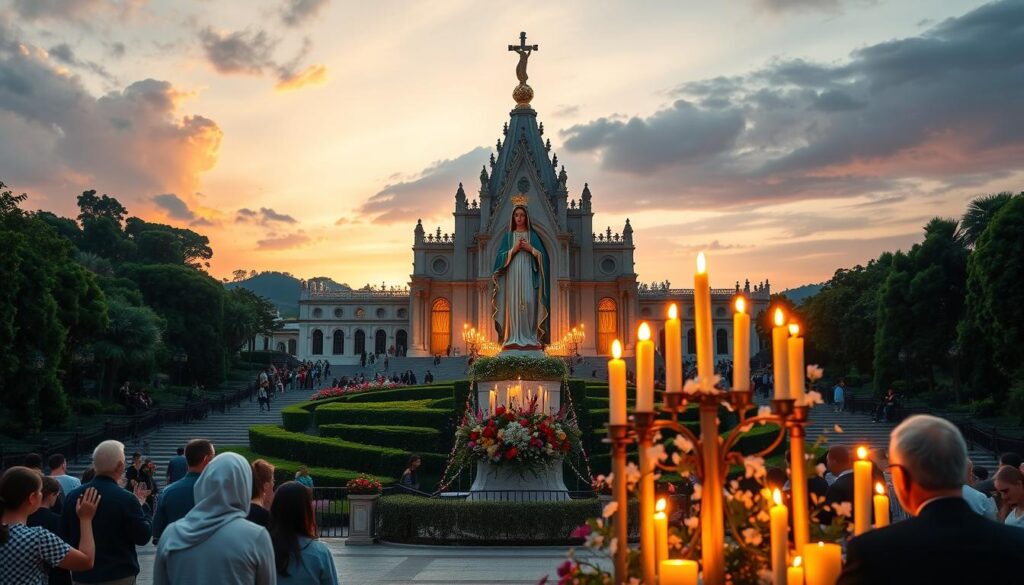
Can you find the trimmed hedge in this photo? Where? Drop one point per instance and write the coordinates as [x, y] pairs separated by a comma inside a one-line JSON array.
[[510, 367], [407, 413], [397, 394], [460, 394], [398, 437], [284, 470]]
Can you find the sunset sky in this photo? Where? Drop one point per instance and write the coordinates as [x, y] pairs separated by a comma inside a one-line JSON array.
[[786, 137]]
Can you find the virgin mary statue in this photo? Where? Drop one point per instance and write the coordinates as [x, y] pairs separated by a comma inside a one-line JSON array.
[[520, 301]]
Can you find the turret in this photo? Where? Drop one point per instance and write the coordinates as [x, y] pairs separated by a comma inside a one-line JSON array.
[[460, 200]]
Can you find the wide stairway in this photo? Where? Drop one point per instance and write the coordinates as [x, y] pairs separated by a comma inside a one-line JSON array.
[[451, 368], [228, 428]]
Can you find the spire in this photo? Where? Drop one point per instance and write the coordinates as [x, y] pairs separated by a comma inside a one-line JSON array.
[[418, 232], [541, 129], [460, 199], [563, 177], [547, 145], [492, 160], [504, 129], [554, 160], [483, 175], [627, 232]]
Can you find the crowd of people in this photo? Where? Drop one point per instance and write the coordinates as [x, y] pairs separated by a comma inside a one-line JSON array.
[[134, 399]]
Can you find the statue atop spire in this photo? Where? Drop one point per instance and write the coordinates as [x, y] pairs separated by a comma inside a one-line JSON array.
[[522, 93]]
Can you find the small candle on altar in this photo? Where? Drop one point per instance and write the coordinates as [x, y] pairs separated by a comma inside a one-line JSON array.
[[617, 386], [673, 351], [780, 538], [795, 573], [881, 506], [677, 572], [780, 363], [822, 563], [795, 356], [492, 401], [861, 492], [702, 316], [741, 346], [660, 532], [644, 369]]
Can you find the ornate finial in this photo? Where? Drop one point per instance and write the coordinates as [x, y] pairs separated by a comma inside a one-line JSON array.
[[522, 93], [498, 144], [563, 176], [520, 199], [541, 129], [547, 145], [504, 129], [586, 192], [460, 195], [554, 160], [492, 160], [483, 172]]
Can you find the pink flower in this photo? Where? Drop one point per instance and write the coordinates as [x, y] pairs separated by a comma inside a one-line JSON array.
[[581, 531]]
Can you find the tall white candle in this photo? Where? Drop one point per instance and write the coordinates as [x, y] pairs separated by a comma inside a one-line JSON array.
[[617, 386], [702, 316], [780, 538], [741, 346], [780, 363], [881, 500], [861, 492], [795, 356], [660, 533], [644, 369], [673, 351]]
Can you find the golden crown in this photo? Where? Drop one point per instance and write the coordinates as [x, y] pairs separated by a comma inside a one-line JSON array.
[[520, 199]]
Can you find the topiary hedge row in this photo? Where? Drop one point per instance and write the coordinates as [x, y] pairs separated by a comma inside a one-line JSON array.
[[412, 413], [413, 439], [406, 393], [284, 469]]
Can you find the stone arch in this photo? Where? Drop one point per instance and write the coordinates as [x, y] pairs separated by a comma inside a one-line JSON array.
[[359, 345], [401, 341], [281, 347], [380, 341], [318, 342], [338, 342], [292, 346], [607, 324], [721, 342], [440, 326]]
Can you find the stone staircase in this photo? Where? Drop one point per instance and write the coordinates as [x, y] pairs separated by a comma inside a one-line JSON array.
[[451, 368]]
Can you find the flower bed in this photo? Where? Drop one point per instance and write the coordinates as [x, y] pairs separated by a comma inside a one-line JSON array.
[[336, 391]]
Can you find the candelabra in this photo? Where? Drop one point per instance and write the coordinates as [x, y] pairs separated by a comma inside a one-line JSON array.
[[710, 459]]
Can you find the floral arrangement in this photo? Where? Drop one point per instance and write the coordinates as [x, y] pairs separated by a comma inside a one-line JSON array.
[[511, 367], [364, 485], [336, 391], [516, 436]]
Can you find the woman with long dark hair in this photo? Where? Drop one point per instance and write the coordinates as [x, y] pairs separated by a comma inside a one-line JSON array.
[[300, 558], [27, 554]]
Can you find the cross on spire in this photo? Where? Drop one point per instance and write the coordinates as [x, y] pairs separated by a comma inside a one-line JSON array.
[[522, 44]]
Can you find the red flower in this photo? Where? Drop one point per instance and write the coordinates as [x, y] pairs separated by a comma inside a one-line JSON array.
[[474, 436], [499, 411], [511, 453]]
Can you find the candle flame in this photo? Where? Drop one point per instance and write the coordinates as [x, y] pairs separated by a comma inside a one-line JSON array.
[[660, 506], [777, 496], [673, 311], [617, 349], [794, 329], [780, 318], [798, 560], [702, 263], [741, 305], [821, 544], [880, 488], [645, 331], [862, 453]]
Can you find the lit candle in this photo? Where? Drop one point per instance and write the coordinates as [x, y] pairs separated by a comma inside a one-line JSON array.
[[780, 365], [702, 314], [822, 563], [881, 506], [660, 532], [617, 386], [673, 351], [678, 572], [741, 346], [492, 400], [795, 574], [795, 356], [861, 492], [644, 369], [780, 538]]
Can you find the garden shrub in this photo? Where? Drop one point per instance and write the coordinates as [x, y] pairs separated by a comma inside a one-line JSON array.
[[398, 394], [408, 413], [412, 439], [511, 367], [284, 470]]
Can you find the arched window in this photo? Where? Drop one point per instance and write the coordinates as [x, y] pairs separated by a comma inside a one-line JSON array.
[[266, 343], [691, 342], [607, 325], [721, 342], [318, 342], [291, 346], [360, 342], [280, 346], [440, 326], [380, 342], [401, 342], [339, 342]]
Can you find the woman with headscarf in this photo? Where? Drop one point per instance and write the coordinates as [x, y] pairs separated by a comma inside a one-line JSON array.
[[214, 543]]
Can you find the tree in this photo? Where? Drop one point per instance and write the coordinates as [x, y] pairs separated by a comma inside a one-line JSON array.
[[90, 207], [158, 247], [980, 212], [130, 342], [239, 275], [246, 314], [193, 248]]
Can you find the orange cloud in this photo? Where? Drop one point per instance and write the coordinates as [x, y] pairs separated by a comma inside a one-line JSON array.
[[312, 75]]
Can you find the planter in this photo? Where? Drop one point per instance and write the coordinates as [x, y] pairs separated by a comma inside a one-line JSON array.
[[361, 519]]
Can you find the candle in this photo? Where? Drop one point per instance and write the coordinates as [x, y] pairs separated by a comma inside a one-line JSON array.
[[617, 386], [678, 572], [861, 492], [673, 351], [795, 574], [822, 563], [780, 365], [795, 357], [492, 401], [780, 538], [881, 506], [702, 314], [741, 346], [660, 532], [644, 369]]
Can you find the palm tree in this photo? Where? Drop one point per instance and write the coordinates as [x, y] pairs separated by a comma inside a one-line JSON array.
[[980, 212], [131, 338]]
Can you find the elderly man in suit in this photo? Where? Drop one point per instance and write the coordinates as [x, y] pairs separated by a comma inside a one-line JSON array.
[[945, 541]]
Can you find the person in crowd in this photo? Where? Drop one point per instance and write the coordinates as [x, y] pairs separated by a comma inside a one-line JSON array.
[[841, 490], [262, 493], [299, 558], [88, 475], [944, 541], [302, 476], [214, 543], [263, 398], [27, 553], [177, 467], [34, 461], [147, 476], [59, 471], [133, 474], [410, 478], [886, 407], [987, 486], [45, 516], [1010, 486], [178, 498], [120, 524], [978, 501], [839, 395]]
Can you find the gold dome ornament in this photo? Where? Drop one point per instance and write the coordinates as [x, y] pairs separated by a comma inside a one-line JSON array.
[[523, 93], [521, 199]]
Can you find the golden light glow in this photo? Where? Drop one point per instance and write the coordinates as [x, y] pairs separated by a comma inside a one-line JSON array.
[[741, 305], [797, 560], [862, 452], [644, 333], [780, 318], [673, 311], [617, 349], [660, 506], [702, 263], [777, 496], [880, 488], [794, 329]]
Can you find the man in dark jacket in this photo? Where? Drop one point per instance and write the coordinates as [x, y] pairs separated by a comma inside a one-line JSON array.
[[121, 522], [945, 542], [178, 498]]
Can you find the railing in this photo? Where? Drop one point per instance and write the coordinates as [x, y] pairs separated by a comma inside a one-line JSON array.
[[354, 294], [331, 509], [660, 293]]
